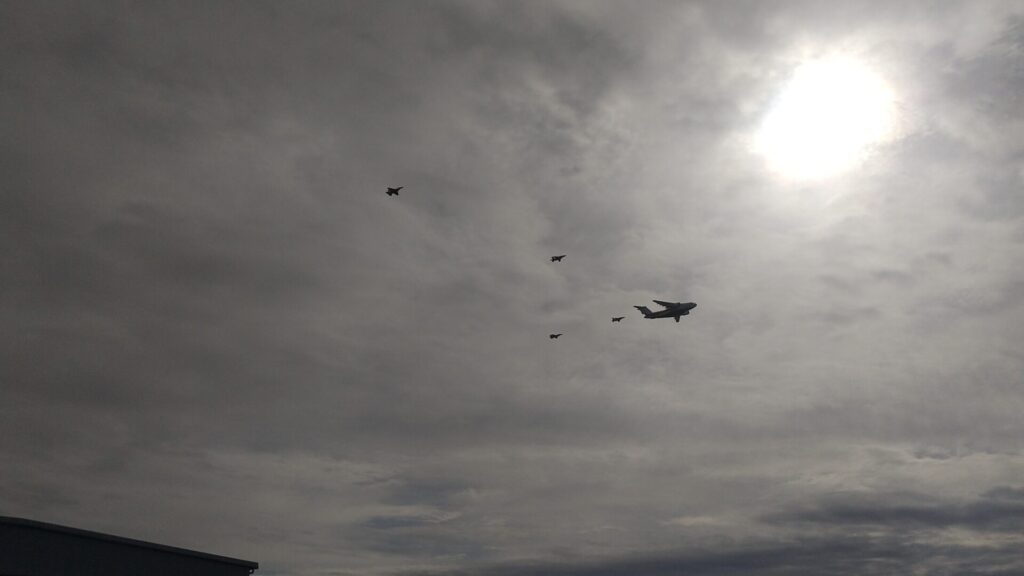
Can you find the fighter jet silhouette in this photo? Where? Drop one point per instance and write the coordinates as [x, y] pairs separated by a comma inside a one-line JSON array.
[[557, 258], [394, 191], [672, 310], [553, 336], [617, 318]]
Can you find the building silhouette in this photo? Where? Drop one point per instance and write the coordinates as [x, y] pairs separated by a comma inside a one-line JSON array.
[[31, 548]]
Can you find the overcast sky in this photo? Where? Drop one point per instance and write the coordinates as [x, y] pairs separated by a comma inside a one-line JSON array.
[[221, 334]]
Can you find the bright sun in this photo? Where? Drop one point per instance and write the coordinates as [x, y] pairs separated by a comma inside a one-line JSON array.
[[826, 119]]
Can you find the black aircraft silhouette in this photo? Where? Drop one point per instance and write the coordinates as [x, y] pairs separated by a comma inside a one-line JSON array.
[[553, 336], [617, 318], [394, 191], [557, 258], [672, 310]]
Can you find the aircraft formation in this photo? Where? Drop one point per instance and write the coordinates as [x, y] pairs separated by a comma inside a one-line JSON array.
[[669, 309]]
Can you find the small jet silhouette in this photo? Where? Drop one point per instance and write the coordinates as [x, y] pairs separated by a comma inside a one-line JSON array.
[[553, 336], [557, 258], [394, 191], [617, 318], [672, 310]]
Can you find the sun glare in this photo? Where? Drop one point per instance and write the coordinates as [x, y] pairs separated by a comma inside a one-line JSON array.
[[826, 119]]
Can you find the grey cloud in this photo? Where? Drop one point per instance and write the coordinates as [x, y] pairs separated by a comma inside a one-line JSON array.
[[1000, 192], [998, 510], [1005, 493], [839, 556], [397, 522]]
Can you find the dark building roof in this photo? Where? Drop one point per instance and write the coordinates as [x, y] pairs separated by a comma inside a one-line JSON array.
[[31, 548]]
